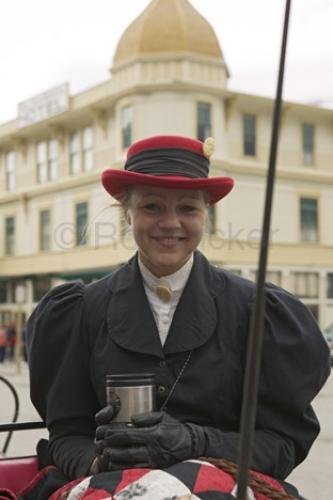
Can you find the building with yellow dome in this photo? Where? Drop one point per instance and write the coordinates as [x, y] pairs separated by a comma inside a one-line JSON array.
[[168, 76], [166, 27]]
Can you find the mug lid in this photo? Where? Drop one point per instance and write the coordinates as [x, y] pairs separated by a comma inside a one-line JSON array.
[[126, 379]]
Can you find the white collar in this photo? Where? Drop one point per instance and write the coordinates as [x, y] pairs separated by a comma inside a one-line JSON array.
[[176, 281]]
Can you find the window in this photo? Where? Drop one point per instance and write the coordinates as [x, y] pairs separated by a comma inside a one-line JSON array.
[[309, 219], [74, 147], [87, 148], [53, 160], [81, 144], [249, 135], [126, 126], [9, 236], [306, 284], [204, 122], [308, 143], [81, 219], [40, 286], [212, 219], [44, 230], [10, 165], [17, 291], [330, 285], [47, 161], [3, 292], [41, 162], [274, 277]]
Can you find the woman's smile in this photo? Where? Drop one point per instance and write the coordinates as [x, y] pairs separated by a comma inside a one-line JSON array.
[[168, 241]]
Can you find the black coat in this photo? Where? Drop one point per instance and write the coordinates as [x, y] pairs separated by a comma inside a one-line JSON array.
[[78, 334]]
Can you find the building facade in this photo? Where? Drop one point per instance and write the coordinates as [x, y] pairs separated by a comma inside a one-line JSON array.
[[168, 76]]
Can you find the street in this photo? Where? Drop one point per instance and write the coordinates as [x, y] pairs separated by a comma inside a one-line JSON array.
[[313, 478]]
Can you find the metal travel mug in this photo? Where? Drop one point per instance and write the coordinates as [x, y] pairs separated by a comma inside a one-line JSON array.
[[136, 392]]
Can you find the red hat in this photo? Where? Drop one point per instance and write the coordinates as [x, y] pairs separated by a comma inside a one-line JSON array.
[[168, 161]]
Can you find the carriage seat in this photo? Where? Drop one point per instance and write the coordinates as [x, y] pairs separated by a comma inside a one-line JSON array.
[[16, 473]]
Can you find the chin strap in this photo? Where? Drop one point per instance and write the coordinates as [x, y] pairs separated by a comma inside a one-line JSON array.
[[254, 347]]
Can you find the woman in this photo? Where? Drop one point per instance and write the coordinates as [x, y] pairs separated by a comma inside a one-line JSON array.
[[171, 313]]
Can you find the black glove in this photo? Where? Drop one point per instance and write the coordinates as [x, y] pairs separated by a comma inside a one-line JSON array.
[[103, 420], [155, 440], [105, 416]]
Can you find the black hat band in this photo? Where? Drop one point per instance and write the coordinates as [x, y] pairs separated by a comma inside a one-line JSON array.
[[169, 162]]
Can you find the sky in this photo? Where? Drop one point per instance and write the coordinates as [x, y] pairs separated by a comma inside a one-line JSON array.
[[44, 43]]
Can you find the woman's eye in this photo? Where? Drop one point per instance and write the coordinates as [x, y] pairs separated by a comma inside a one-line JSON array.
[[152, 207], [188, 208]]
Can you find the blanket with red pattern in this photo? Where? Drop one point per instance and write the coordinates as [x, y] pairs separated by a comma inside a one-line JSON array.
[[192, 480]]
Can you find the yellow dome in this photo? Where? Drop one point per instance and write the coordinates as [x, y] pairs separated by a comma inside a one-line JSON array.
[[167, 26]]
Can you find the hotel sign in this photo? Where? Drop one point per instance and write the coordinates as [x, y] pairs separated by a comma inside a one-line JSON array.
[[43, 106]]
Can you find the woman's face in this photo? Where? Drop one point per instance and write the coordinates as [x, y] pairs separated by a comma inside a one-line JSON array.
[[167, 226]]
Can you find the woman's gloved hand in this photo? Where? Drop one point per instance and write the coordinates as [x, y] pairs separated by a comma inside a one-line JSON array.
[[105, 416], [104, 420], [153, 440]]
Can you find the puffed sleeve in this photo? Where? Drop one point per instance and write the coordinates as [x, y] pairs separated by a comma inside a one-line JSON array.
[[295, 365], [61, 389]]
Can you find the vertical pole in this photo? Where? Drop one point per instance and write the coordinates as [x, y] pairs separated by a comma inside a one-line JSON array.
[[255, 340]]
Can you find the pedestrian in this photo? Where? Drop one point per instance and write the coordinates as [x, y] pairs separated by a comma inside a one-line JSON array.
[[169, 312], [24, 342], [11, 341], [3, 343]]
